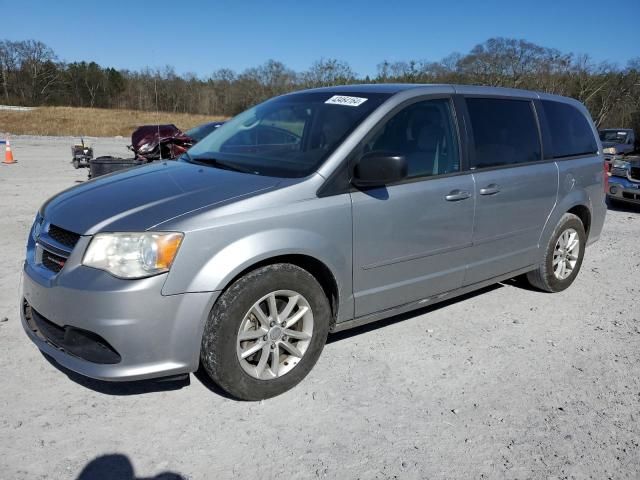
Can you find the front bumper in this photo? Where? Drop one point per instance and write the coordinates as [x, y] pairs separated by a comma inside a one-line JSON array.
[[154, 335], [624, 190]]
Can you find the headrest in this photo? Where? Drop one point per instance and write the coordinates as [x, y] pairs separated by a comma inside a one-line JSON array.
[[424, 116]]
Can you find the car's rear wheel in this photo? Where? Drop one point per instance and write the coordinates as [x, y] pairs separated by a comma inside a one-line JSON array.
[[563, 256], [266, 332]]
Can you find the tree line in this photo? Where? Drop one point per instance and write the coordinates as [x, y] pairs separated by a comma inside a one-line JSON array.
[[31, 74]]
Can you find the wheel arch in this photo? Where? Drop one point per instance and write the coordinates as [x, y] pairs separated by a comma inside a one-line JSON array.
[[320, 271], [577, 202], [584, 214]]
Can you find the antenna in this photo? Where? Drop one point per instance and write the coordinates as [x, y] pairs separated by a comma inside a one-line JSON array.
[[155, 87], [155, 90]]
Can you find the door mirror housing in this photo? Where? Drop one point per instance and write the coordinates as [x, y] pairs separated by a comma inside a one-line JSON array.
[[375, 169]]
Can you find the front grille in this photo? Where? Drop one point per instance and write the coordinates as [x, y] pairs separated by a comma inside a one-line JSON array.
[[631, 196], [56, 245], [52, 261], [634, 172], [62, 236]]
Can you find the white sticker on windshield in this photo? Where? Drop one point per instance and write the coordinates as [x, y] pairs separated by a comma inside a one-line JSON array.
[[344, 100], [624, 134]]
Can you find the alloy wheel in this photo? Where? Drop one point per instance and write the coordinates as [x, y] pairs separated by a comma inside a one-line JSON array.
[[274, 334], [565, 254]]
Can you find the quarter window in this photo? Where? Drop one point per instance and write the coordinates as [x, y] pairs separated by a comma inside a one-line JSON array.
[[425, 134], [571, 133], [505, 132]]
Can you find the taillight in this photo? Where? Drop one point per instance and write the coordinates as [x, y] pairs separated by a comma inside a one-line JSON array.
[[605, 174]]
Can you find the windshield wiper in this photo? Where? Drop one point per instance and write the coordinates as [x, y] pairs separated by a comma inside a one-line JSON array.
[[220, 164]]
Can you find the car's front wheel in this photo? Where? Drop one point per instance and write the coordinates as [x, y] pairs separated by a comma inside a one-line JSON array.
[[266, 332]]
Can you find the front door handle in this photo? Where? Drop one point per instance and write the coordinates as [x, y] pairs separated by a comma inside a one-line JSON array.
[[491, 189], [455, 195]]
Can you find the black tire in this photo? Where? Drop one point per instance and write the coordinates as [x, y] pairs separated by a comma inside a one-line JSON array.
[[218, 352], [543, 277]]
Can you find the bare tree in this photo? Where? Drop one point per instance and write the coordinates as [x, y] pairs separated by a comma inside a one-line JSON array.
[[30, 74], [37, 63], [329, 71], [9, 62]]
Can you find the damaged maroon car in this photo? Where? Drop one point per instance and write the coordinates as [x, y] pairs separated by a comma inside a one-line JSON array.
[[150, 143], [159, 142]]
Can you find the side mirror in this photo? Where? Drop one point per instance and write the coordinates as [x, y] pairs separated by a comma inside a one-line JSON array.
[[375, 169]]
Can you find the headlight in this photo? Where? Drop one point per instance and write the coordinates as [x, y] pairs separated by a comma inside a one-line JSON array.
[[145, 148], [133, 255], [611, 150], [620, 164], [37, 227]]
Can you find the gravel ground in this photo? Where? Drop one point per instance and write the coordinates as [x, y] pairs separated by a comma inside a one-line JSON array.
[[505, 383]]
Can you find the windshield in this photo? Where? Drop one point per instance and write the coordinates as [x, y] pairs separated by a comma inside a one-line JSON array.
[[288, 136], [201, 131], [613, 136]]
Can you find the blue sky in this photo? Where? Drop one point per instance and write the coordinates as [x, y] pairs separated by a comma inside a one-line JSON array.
[[201, 37]]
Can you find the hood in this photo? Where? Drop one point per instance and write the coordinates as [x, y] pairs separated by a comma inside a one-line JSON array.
[[140, 198], [610, 144]]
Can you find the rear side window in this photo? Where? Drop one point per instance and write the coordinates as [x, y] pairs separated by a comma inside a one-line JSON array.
[[505, 132], [571, 133]]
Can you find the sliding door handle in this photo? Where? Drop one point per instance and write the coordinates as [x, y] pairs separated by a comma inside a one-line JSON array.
[[456, 195], [491, 189]]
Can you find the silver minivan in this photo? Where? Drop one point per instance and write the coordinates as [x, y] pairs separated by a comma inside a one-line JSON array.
[[311, 213]]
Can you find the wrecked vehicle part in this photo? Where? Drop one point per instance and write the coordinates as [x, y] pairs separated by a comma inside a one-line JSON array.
[[155, 142], [81, 154], [107, 164]]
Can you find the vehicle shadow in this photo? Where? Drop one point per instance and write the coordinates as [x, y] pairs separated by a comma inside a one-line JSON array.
[[522, 283], [136, 387], [213, 387], [335, 337], [118, 467], [369, 327]]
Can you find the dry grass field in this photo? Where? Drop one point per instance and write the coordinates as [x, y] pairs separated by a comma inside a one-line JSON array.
[[95, 122]]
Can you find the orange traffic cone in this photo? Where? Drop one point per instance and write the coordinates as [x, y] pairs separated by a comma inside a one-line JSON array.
[[8, 154]]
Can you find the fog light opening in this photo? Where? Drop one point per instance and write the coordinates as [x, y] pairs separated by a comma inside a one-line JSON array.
[[613, 190]]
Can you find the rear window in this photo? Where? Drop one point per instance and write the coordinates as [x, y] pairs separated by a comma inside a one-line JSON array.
[[571, 133], [505, 132]]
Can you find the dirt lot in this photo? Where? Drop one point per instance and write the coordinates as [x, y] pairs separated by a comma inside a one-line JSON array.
[[508, 383]]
